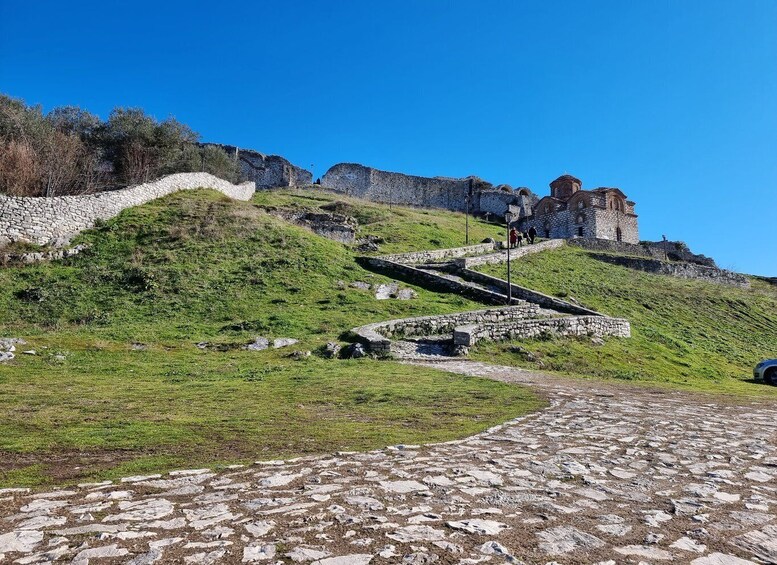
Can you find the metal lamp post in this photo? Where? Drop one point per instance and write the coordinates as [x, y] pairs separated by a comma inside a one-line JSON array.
[[508, 220]]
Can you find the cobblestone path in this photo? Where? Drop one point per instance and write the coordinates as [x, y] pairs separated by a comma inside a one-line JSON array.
[[605, 474]]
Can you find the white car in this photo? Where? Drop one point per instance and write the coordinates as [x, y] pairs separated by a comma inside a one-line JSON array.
[[766, 371]]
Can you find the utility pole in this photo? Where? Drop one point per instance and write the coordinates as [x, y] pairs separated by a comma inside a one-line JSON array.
[[665, 254], [508, 219]]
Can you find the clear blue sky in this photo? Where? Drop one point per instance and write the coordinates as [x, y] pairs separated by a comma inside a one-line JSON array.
[[675, 102]]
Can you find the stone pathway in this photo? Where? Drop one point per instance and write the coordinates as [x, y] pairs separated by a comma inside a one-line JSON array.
[[605, 474]]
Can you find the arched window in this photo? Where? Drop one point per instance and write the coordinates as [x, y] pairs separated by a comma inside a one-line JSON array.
[[580, 219], [618, 234], [581, 204]]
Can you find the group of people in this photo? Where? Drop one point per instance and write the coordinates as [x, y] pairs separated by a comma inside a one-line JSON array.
[[517, 238]]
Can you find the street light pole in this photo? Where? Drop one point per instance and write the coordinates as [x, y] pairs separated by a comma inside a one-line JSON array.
[[508, 219], [466, 222]]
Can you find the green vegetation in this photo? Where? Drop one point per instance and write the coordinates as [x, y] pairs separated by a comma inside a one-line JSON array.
[[399, 228], [684, 333], [118, 386]]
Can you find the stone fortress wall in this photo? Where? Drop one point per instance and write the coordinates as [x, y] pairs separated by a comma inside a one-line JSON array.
[[266, 171], [397, 188], [55, 220]]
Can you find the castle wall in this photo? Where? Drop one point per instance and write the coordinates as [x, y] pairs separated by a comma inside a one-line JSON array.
[[496, 202], [53, 221], [397, 188], [267, 171]]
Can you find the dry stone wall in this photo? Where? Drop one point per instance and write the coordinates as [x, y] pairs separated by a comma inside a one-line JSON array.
[[501, 257], [419, 257], [655, 249], [599, 326], [54, 221], [376, 337], [680, 270]]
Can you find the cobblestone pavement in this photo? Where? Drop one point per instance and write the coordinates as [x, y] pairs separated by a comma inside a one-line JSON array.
[[605, 474]]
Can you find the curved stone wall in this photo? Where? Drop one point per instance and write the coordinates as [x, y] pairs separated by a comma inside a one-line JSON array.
[[54, 221]]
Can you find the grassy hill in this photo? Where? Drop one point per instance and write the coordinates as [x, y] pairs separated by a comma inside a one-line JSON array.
[[118, 386], [684, 333]]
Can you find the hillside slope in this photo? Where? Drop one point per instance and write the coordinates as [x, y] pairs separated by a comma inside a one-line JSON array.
[[684, 332], [118, 385]]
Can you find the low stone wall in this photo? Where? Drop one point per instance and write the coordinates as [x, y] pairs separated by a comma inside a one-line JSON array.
[[376, 337], [432, 281], [41, 256], [680, 270], [599, 326], [501, 257], [53, 221], [527, 294], [419, 257], [655, 250]]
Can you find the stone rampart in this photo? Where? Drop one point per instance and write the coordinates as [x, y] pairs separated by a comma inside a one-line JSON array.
[[599, 326], [680, 270], [376, 337], [397, 188], [267, 171], [53, 221], [501, 257]]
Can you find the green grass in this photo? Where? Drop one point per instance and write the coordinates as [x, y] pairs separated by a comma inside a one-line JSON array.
[[685, 333], [402, 228], [197, 267]]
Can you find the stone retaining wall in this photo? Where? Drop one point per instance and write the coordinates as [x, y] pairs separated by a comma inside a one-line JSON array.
[[501, 257], [469, 335], [528, 294], [376, 337], [432, 281], [655, 250], [419, 257], [680, 270], [53, 221]]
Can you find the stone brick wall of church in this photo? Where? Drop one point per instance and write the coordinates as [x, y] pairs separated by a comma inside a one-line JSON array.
[[596, 223], [382, 186], [54, 221]]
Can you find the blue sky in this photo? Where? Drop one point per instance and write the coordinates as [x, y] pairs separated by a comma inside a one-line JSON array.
[[675, 102]]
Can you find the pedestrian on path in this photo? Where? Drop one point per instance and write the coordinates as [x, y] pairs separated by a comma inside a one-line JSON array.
[[532, 234]]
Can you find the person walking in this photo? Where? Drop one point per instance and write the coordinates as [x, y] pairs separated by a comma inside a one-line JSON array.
[[513, 237], [532, 234], [519, 238]]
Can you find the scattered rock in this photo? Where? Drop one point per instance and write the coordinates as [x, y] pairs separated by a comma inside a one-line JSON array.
[[361, 285], [283, 342], [331, 350], [406, 294], [259, 344], [300, 355], [645, 551], [386, 291], [353, 351]]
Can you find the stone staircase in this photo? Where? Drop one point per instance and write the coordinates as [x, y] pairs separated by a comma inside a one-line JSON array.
[[530, 313]]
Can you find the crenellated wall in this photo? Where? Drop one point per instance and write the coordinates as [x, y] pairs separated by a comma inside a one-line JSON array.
[[55, 220]]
